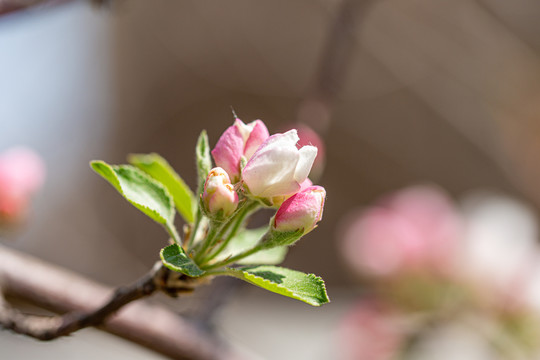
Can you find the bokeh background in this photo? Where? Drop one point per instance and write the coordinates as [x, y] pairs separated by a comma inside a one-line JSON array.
[[402, 92]]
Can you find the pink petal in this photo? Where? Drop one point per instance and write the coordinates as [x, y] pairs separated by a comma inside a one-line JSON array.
[[258, 135], [305, 184], [303, 210], [228, 151]]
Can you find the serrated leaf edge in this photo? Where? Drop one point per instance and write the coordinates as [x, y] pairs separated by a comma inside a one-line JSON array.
[[172, 267], [144, 176], [318, 279]]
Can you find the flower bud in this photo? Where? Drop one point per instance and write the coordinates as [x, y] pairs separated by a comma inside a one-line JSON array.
[[239, 140], [278, 167], [302, 211], [219, 195]]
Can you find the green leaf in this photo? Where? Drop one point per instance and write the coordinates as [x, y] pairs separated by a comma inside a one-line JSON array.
[[204, 161], [294, 284], [248, 239], [158, 168], [143, 192], [175, 258]]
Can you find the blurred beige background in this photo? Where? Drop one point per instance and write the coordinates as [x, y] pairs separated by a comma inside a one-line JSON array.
[[439, 91]]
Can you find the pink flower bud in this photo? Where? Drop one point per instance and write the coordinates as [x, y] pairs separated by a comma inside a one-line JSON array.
[[238, 140], [303, 210], [22, 173], [278, 167], [219, 194]]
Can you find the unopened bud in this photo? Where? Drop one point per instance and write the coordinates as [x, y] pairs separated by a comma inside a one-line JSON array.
[[219, 197], [302, 211]]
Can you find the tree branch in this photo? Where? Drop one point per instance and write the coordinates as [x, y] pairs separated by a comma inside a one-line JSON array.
[[334, 63], [49, 328], [152, 326]]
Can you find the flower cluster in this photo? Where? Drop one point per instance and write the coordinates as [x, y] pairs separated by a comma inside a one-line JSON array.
[[269, 169], [253, 170], [440, 275]]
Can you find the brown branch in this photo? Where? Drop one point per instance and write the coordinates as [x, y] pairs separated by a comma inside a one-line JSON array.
[[334, 63], [49, 328], [11, 6], [152, 326]]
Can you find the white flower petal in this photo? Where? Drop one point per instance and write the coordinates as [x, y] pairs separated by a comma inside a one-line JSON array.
[[307, 154], [290, 138], [270, 171], [276, 166]]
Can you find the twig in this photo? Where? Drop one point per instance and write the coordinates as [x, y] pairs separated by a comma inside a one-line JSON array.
[[49, 328], [149, 325]]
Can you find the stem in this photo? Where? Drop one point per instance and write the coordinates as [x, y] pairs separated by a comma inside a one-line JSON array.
[[237, 257], [207, 242], [238, 220], [190, 242], [174, 234]]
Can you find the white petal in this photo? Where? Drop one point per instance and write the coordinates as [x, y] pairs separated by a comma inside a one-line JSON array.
[[289, 139], [269, 170], [307, 154]]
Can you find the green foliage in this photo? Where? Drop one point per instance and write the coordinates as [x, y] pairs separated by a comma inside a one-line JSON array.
[[143, 192], [158, 168], [246, 240], [175, 258], [294, 284], [204, 161]]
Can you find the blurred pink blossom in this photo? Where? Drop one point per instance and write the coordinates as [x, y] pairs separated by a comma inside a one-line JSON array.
[[371, 331], [500, 251], [22, 173], [414, 229]]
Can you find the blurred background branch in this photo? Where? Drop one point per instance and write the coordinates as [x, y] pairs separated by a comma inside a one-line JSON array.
[[156, 327]]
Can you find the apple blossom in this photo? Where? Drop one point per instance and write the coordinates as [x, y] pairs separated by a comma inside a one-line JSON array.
[[278, 167], [302, 211], [417, 228], [22, 173], [219, 194], [239, 140], [499, 241]]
